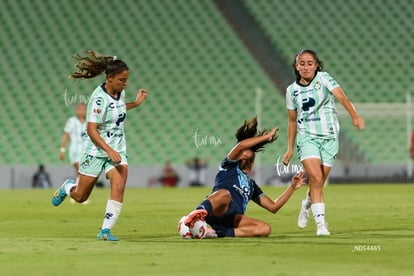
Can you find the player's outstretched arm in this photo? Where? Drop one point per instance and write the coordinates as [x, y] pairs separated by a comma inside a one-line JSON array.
[[357, 120], [141, 96], [274, 205], [237, 150]]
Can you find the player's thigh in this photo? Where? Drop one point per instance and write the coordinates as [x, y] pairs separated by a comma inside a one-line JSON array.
[[220, 201], [251, 226], [242, 220]]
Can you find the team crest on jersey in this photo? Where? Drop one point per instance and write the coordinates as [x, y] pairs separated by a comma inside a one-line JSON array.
[[85, 164], [317, 85], [97, 111]]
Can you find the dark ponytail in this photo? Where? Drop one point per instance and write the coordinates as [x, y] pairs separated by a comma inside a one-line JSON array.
[[92, 65]]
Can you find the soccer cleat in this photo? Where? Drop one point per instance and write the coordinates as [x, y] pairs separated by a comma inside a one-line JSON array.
[[60, 194], [303, 216], [105, 235], [194, 216], [323, 232]]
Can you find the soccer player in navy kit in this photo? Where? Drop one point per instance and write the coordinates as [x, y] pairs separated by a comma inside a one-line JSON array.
[[224, 208]]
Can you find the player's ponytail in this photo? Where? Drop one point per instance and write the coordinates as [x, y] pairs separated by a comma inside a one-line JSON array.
[[92, 65], [249, 130]]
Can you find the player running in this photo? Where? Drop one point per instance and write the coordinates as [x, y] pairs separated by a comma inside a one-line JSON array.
[[105, 148], [75, 132], [224, 208], [313, 122]]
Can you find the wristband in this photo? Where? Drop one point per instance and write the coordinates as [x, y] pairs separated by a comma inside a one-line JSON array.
[[62, 150]]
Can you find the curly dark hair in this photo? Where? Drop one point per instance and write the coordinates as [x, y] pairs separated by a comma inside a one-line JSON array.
[[315, 56], [92, 65], [249, 130]]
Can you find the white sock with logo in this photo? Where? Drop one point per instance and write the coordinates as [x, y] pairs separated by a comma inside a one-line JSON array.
[[113, 210], [318, 210]]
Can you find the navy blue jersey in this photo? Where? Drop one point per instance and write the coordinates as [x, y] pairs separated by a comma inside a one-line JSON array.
[[241, 187]]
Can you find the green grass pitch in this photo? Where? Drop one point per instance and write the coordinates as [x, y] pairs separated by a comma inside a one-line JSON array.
[[372, 230]]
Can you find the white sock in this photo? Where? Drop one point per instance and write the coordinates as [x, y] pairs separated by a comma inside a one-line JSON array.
[[318, 210], [68, 188], [307, 203], [113, 210]]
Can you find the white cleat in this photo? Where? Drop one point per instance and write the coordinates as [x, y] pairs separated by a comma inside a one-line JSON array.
[[303, 217], [323, 232]]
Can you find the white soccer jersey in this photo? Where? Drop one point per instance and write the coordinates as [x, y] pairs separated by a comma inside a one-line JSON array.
[[109, 113], [315, 106], [77, 132]]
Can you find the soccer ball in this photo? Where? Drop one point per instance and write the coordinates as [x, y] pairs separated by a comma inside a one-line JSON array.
[[199, 230], [183, 229]]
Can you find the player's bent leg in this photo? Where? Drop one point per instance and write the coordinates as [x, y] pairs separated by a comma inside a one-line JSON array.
[[216, 204], [250, 227], [220, 201], [81, 192]]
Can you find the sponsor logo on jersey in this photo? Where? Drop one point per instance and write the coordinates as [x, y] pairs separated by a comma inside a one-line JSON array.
[[121, 118], [97, 111]]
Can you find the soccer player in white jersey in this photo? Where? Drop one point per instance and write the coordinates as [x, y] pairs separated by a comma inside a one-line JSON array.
[[313, 122], [75, 132], [105, 148]]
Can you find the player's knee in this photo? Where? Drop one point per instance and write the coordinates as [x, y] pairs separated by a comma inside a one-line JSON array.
[[262, 229], [316, 180], [222, 196], [265, 230], [80, 198]]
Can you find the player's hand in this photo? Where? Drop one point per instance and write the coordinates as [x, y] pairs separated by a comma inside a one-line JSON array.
[[359, 122], [298, 180], [286, 157], [62, 156], [271, 134], [141, 96], [115, 156]]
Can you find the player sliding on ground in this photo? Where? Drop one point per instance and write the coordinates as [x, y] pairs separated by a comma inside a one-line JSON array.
[[224, 208]]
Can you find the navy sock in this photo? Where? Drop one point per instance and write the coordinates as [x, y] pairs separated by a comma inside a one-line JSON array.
[[206, 205], [229, 232]]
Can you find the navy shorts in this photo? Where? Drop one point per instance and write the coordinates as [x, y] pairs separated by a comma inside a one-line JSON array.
[[226, 221]]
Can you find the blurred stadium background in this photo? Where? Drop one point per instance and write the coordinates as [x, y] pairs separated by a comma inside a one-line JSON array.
[[208, 66]]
